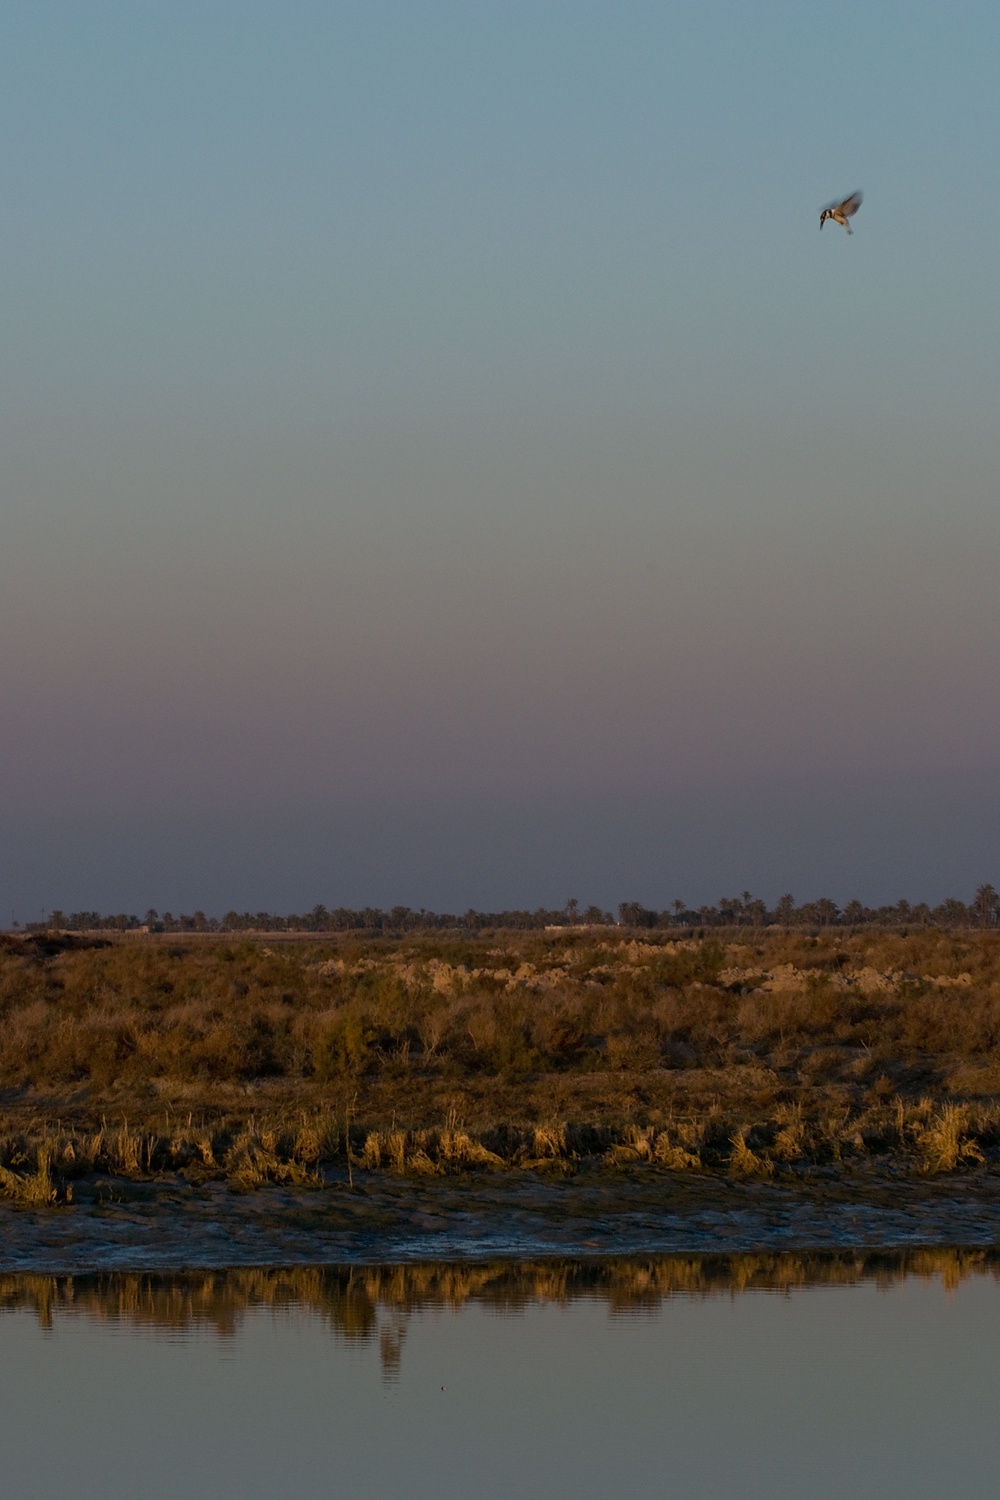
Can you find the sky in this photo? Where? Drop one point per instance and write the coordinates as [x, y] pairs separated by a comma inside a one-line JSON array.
[[443, 463]]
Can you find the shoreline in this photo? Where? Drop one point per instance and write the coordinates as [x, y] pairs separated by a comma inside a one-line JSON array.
[[176, 1226], [514, 1095]]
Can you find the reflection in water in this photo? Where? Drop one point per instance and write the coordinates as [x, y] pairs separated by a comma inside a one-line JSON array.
[[553, 1380], [373, 1304]]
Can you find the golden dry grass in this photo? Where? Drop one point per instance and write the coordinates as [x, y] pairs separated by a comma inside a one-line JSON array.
[[772, 1053]]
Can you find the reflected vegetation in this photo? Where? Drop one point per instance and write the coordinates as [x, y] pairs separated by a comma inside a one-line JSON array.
[[373, 1304]]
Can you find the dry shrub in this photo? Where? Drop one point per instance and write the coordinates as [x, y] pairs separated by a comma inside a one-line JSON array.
[[637, 1144], [511, 1053], [398, 1151], [308, 1146], [746, 1163], [418, 1159], [32, 1189], [384, 1149], [347, 1048], [254, 1160], [780, 1050], [130, 1013], [790, 1138], [125, 1149], [549, 1141], [973, 1078], [559, 1038], [944, 1022], [457, 1151], [945, 1141], [671, 1154]]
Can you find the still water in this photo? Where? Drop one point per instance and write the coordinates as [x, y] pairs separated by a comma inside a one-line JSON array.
[[746, 1377]]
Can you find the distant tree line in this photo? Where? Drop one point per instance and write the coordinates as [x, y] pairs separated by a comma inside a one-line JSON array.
[[749, 911], [734, 911]]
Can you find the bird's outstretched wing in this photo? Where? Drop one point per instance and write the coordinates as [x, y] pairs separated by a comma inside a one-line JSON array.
[[847, 206]]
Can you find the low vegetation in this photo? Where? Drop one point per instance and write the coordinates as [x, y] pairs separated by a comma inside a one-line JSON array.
[[756, 1053]]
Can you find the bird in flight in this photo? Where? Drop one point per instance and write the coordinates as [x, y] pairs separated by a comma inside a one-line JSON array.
[[841, 212]]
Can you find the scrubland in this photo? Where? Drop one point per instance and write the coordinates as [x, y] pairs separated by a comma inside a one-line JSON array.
[[763, 1054]]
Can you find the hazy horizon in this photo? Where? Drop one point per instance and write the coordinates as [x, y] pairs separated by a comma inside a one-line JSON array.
[[920, 839], [443, 463]]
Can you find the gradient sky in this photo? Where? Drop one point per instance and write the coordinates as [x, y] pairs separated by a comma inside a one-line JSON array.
[[442, 461]]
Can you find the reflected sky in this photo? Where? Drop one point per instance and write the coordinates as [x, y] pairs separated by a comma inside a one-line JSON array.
[[658, 1378]]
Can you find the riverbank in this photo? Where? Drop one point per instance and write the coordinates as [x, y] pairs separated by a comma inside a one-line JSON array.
[[774, 1057], [173, 1225]]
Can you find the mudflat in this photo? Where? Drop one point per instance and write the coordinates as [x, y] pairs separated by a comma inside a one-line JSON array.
[[174, 1225]]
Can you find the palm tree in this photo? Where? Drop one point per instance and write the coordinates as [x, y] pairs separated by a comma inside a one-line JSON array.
[[986, 904]]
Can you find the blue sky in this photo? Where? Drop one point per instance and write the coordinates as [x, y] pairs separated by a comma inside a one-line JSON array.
[[442, 461]]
